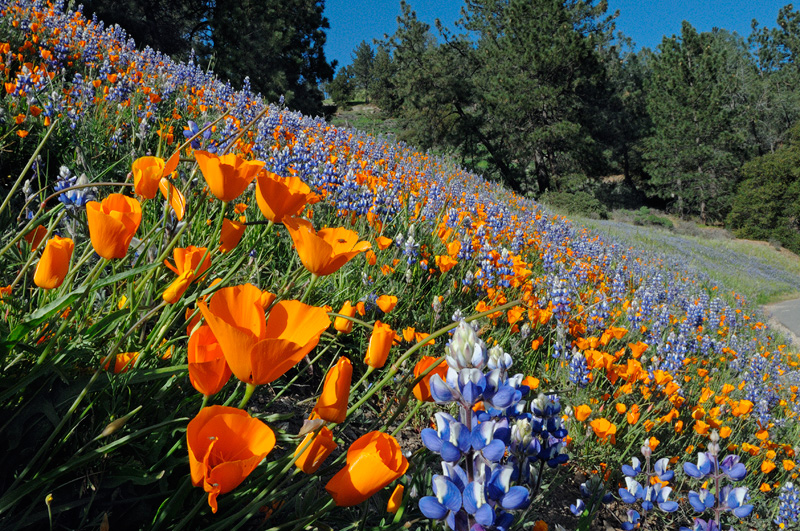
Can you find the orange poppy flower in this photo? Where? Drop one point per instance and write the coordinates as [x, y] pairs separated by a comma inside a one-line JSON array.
[[637, 348], [227, 176], [323, 252], [621, 408], [208, 370], [122, 362], [383, 242], [386, 303], [423, 389], [531, 382], [604, 429], [341, 324], [445, 263], [582, 412], [35, 236], [373, 461], [281, 197], [767, 466], [148, 172], [225, 445], [380, 342], [633, 414], [232, 232], [54, 263], [316, 452], [395, 500], [112, 224], [332, 403], [258, 350]]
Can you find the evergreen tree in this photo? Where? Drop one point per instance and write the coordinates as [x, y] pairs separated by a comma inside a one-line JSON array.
[[694, 97], [277, 44], [384, 93], [363, 63], [169, 26], [342, 88]]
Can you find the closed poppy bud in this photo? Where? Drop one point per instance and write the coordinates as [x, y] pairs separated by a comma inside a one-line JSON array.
[[225, 445], [54, 263], [387, 303], [227, 176], [341, 324], [395, 500], [232, 232], [332, 403], [317, 451], [147, 173], [380, 342], [373, 461], [423, 389], [324, 252], [175, 291], [281, 197], [112, 224], [208, 370]]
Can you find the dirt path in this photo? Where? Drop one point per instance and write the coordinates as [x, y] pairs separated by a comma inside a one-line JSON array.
[[785, 316]]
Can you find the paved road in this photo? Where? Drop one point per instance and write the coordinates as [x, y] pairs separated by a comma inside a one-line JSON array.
[[787, 313]]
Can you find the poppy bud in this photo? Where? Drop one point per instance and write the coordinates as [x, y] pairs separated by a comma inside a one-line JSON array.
[[332, 403], [112, 224], [341, 324], [316, 452], [54, 263], [380, 342]]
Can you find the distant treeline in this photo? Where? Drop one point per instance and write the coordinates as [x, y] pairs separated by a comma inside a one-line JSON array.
[[545, 96]]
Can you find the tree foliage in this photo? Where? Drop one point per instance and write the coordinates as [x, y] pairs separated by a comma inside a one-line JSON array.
[[694, 98], [277, 45], [767, 203]]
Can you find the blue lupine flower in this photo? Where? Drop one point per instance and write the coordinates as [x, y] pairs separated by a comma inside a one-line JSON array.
[[632, 520], [445, 502], [702, 500], [789, 509]]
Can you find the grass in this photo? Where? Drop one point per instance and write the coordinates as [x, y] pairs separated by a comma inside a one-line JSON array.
[[757, 270]]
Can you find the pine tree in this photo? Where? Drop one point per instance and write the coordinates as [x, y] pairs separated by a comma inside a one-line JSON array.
[[363, 62], [694, 98]]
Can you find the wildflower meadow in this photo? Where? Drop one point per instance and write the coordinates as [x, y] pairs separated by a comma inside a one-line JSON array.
[[221, 314]]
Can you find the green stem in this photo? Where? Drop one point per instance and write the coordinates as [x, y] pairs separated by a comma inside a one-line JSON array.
[[90, 280], [248, 392], [314, 279], [28, 166], [33, 254]]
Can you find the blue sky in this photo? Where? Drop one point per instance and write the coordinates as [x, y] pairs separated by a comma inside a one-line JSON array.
[[645, 21]]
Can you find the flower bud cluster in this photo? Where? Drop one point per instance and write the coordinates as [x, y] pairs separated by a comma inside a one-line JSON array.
[[493, 457]]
